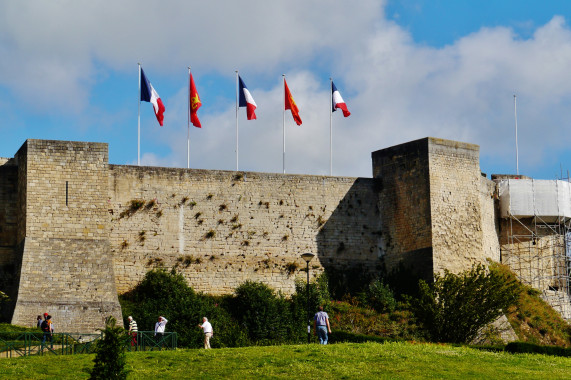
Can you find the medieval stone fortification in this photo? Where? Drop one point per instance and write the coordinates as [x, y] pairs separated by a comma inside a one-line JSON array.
[[75, 231]]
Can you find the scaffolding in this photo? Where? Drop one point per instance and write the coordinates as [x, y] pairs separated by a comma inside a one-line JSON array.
[[535, 237]]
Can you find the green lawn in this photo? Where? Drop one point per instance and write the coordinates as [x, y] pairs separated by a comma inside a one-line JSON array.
[[338, 361]]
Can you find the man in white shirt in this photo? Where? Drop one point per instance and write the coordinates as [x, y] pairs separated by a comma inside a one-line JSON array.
[[207, 330], [160, 328]]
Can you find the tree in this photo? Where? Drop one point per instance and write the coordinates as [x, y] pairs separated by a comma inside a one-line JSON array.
[[456, 306], [110, 350]]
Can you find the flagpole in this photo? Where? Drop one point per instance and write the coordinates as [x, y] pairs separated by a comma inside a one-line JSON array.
[[139, 120], [331, 127], [188, 125], [516, 148], [283, 126], [237, 107]]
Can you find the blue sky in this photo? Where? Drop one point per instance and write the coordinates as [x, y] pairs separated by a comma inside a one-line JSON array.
[[407, 69]]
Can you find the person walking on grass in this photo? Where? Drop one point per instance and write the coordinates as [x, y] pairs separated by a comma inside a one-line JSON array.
[[208, 332], [321, 325], [133, 330], [48, 329]]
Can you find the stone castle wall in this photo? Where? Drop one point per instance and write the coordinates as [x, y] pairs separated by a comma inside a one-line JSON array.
[[490, 220], [8, 211], [455, 203], [65, 267], [404, 204], [8, 227], [537, 255], [86, 230], [441, 210], [221, 228]]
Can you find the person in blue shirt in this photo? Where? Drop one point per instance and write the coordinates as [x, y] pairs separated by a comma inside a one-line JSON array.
[[321, 325]]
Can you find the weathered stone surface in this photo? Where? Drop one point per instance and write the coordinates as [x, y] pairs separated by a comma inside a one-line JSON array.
[[221, 228], [75, 230], [64, 262], [437, 208]]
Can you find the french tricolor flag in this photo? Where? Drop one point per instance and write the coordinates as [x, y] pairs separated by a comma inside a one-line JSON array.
[[148, 94], [337, 101], [246, 100]]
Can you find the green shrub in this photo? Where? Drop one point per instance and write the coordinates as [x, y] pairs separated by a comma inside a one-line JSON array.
[[380, 297], [263, 314], [456, 306], [110, 353], [163, 293]]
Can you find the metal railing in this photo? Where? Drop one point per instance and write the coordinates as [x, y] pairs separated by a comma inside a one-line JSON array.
[[17, 343], [148, 341]]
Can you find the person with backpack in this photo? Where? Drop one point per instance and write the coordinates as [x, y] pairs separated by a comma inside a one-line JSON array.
[[47, 328]]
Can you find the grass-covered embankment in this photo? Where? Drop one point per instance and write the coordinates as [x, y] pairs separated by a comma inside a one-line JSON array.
[[363, 361]]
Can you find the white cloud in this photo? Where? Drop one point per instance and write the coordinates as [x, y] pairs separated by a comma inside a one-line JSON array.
[[53, 47], [396, 89]]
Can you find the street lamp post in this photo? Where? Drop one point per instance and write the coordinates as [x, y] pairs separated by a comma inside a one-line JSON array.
[[307, 257]]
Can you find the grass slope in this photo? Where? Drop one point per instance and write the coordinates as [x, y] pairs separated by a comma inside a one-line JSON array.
[[533, 319], [338, 361]]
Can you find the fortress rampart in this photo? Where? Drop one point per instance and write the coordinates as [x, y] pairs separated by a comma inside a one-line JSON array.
[[221, 228], [75, 231]]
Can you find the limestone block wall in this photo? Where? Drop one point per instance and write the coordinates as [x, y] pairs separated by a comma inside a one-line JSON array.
[[66, 268], [457, 238], [404, 204], [431, 201], [490, 220], [560, 301], [538, 259], [8, 211], [8, 225], [221, 228], [539, 262]]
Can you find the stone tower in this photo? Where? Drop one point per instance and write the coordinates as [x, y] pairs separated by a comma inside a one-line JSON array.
[[431, 205], [62, 239]]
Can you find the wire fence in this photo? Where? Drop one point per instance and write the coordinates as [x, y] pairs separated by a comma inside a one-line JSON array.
[[15, 344]]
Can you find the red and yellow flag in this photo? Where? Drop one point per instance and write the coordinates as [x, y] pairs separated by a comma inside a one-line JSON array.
[[195, 104], [290, 104]]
